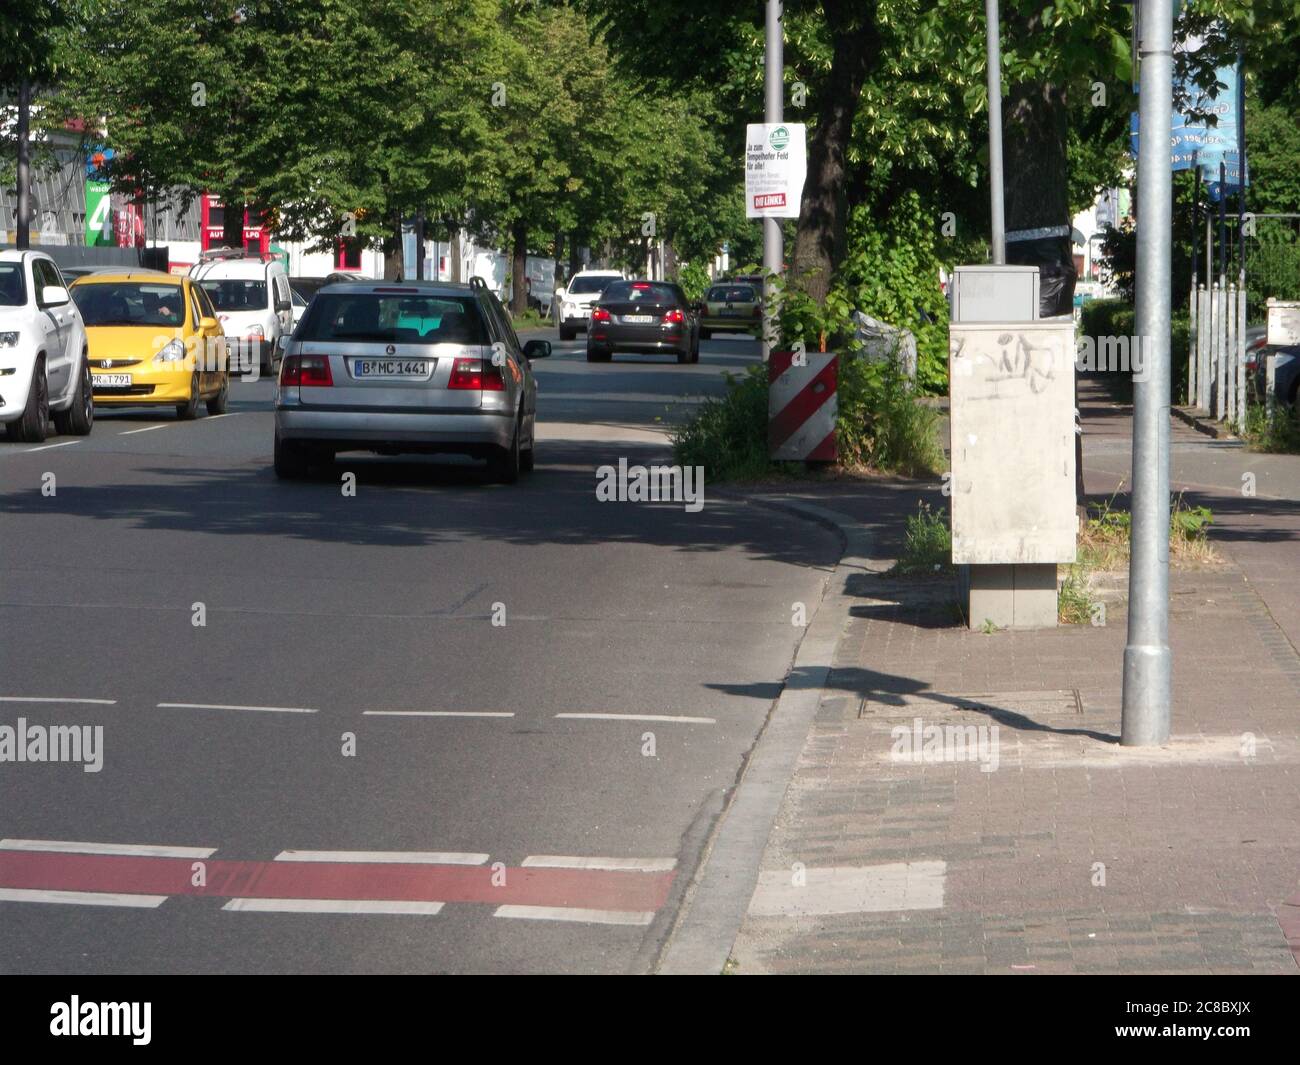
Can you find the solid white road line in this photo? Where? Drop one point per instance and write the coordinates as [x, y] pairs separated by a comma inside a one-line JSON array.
[[642, 717], [568, 913], [46, 447], [146, 429], [411, 857], [82, 898], [147, 850], [435, 713], [53, 699], [332, 906], [221, 706], [636, 865]]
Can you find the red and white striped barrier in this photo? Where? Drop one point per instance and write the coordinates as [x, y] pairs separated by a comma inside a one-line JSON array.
[[802, 405]]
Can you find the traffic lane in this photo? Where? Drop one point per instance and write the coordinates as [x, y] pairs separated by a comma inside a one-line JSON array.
[[252, 789], [646, 390], [656, 644]]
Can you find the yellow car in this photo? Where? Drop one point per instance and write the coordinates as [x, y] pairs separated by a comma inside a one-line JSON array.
[[732, 307], [154, 341]]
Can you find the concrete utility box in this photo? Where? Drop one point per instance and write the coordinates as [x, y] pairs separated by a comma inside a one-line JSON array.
[[994, 294], [1283, 322], [1011, 381], [1012, 442]]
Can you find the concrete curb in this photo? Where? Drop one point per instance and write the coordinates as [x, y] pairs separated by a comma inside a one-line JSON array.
[[717, 899], [1202, 423]]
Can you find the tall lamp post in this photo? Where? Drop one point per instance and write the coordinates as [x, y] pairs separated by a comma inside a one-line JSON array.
[[1148, 673], [773, 111]]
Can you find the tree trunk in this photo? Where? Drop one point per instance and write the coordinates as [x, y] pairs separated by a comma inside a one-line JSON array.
[[22, 239], [575, 256], [1035, 125], [670, 261], [393, 261], [559, 256], [1034, 129], [232, 224], [519, 269], [853, 28], [454, 255]]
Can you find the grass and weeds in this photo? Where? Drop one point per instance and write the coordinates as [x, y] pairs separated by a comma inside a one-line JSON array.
[[1104, 548], [927, 544], [1278, 434], [530, 319]]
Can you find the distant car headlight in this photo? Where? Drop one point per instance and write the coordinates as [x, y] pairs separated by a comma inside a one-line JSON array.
[[174, 351], [9, 340]]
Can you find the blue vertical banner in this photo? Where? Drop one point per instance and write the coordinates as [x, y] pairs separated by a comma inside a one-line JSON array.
[[1196, 140]]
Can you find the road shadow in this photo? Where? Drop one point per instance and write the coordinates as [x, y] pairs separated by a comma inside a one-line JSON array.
[[415, 501]]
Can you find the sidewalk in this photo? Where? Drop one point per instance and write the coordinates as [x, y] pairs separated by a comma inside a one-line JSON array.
[[1054, 850]]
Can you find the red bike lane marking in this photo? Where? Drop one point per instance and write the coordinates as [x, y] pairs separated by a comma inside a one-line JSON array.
[[595, 889]]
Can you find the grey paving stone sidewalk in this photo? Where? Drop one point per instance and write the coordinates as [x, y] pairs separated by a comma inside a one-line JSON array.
[[962, 803]]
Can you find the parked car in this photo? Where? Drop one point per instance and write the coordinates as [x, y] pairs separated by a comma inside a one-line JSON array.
[[644, 316], [417, 366], [1286, 374], [253, 302], [731, 308], [154, 340], [43, 368], [71, 273], [299, 304], [573, 302]]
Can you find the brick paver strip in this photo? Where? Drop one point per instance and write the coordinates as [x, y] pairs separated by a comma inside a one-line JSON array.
[[1075, 855]]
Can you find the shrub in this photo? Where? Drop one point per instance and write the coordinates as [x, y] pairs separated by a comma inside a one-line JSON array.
[[881, 424], [1117, 318], [728, 436], [694, 279]]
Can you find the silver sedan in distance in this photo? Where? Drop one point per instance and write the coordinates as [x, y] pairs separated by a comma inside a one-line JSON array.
[[407, 367]]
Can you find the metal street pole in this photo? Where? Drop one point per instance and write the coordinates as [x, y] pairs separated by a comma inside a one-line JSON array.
[[993, 43], [1148, 674], [23, 237], [1241, 171], [773, 111]]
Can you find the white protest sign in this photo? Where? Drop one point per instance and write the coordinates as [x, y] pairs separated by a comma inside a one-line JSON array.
[[776, 165]]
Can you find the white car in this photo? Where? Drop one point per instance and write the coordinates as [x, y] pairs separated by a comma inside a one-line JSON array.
[[43, 366], [573, 302], [253, 302]]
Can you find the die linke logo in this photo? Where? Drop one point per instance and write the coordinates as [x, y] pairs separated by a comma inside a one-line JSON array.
[[133, 1019]]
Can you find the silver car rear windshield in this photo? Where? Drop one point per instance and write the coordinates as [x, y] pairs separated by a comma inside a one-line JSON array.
[[383, 318]]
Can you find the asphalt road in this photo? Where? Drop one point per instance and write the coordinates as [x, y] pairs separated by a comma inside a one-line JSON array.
[[292, 785]]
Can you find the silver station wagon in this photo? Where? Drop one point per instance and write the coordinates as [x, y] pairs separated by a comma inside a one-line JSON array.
[[414, 366]]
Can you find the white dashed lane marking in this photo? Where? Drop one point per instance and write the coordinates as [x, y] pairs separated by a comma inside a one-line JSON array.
[[406, 857], [668, 718], [435, 713], [341, 906], [47, 447], [63, 846], [224, 706]]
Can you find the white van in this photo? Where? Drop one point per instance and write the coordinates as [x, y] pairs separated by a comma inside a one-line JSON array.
[[253, 303]]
